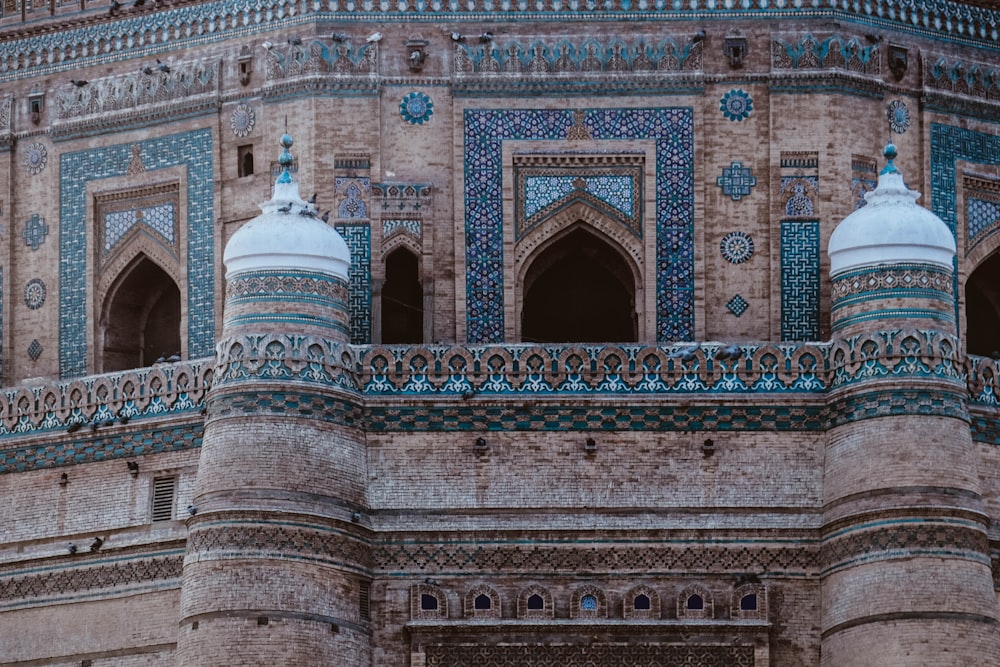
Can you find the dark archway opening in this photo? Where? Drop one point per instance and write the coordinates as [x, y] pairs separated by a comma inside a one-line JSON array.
[[982, 308], [402, 299], [142, 318], [579, 290]]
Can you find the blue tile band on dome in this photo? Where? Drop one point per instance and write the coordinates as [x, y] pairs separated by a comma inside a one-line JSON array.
[[486, 130], [193, 150]]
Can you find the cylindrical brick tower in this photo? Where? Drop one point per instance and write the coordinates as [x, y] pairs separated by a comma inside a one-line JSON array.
[[906, 568], [277, 556]]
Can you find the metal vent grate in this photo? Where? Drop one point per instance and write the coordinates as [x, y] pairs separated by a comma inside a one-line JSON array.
[[164, 490], [364, 609]]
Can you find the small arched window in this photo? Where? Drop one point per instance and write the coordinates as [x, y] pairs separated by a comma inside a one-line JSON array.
[[695, 602], [588, 603], [428, 602], [748, 602], [482, 602], [641, 602], [536, 602]]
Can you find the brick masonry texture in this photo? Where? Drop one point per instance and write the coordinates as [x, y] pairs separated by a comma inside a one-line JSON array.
[[777, 468]]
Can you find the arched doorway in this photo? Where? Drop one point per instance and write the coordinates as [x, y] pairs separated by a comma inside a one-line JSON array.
[[402, 299], [579, 290], [982, 308], [142, 317]]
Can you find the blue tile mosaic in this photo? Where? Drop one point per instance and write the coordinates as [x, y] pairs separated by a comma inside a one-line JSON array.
[[736, 247], [948, 145], [159, 219], [416, 108], [35, 231], [981, 215], [736, 181], [485, 131], [194, 151], [800, 191], [540, 191], [35, 349], [736, 105], [359, 290], [800, 278], [737, 305]]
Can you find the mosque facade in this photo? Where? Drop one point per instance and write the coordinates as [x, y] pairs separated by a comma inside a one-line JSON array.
[[428, 333]]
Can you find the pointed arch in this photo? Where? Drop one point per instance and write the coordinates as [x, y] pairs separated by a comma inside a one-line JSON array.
[[982, 307], [579, 286], [140, 317]]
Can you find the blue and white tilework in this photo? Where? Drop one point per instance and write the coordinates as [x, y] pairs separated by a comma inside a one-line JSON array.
[[799, 191], [898, 116], [359, 277], [949, 145], [35, 158], [158, 219], [193, 150], [486, 130], [981, 215], [416, 108], [35, 231], [393, 226], [800, 278], [737, 305], [736, 181], [737, 105], [736, 247], [540, 191], [34, 293], [352, 192]]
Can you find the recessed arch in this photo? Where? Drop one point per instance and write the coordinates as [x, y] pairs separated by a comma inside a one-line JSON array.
[[578, 287], [982, 308], [402, 298], [140, 317]]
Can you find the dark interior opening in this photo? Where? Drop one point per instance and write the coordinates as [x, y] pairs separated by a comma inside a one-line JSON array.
[[982, 308], [402, 299], [579, 290], [143, 318]]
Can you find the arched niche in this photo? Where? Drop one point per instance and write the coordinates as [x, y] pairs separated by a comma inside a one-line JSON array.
[[140, 318], [402, 299], [578, 288]]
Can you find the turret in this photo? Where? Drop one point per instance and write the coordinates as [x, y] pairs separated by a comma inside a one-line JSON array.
[[276, 571], [905, 564]]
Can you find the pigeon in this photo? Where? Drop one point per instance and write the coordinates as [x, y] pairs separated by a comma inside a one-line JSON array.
[[339, 37], [176, 356], [147, 70], [486, 37], [457, 37], [268, 46], [312, 200], [163, 67], [308, 212], [731, 352], [698, 36], [374, 38], [285, 209], [79, 83], [115, 6], [686, 354], [325, 217], [295, 41]]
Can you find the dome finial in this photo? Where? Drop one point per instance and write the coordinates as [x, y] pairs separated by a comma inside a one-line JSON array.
[[890, 153], [285, 159]]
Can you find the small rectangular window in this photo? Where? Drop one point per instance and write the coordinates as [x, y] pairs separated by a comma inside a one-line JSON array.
[[244, 154], [164, 491]]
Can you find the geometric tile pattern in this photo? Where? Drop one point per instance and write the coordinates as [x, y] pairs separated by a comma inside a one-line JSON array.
[[736, 247], [949, 145], [159, 219], [981, 215], [35, 349], [35, 231], [864, 178], [800, 280], [736, 105], [540, 191], [359, 290], [812, 52], [799, 191], [736, 181], [737, 305], [485, 133], [351, 194], [34, 293], [192, 150]]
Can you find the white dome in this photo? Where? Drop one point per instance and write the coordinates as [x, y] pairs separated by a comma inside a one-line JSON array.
[[890, 229], [287, 235]]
